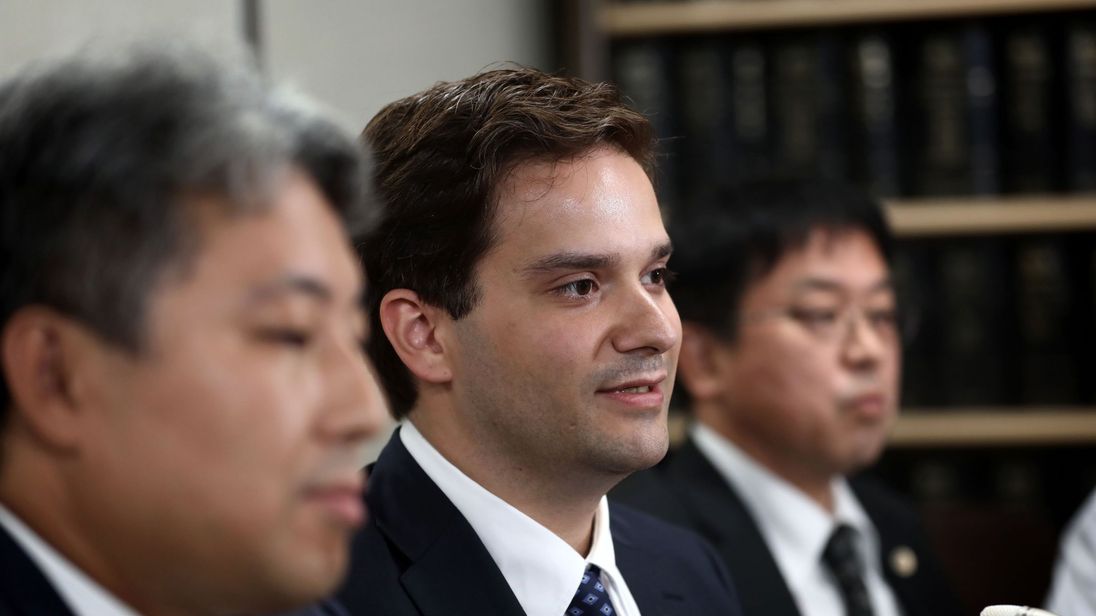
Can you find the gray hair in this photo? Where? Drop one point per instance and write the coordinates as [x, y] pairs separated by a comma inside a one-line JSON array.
[[101, 153]]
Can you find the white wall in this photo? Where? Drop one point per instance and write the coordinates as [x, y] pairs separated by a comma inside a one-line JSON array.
[[353, 55], [358, 55], [33, 29]]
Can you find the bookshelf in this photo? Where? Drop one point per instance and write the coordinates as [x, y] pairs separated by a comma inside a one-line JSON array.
[[705, 16]]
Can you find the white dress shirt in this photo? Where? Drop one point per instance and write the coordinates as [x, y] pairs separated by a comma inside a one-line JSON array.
[[1073, 589], [542, 570], [796, 528], [83, 596]]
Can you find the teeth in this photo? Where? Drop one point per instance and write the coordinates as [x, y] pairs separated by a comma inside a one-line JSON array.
[[636, 390]]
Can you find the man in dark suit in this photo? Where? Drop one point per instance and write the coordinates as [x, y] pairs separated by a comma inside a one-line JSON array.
[[183, 392], [790, 361], [524, 334]]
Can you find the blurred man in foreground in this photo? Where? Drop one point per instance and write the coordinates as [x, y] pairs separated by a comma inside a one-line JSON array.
[[183, 389]]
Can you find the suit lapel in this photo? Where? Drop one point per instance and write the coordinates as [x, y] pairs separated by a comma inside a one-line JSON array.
[[724, 520], [654, 593], [24, 590], [899, 557], [449, 570]]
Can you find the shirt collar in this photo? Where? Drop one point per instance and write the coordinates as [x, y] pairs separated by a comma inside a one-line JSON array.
[[794, 527], [542, 569], [82, 594]]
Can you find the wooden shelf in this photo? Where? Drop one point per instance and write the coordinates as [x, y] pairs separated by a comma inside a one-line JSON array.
[[937, 217], [971, 427], [617, 19], [995, 427]]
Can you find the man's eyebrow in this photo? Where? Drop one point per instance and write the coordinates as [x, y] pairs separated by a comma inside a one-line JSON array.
[[826, 284], [293, 284], [569, 261], [585, 260], [662, 250]]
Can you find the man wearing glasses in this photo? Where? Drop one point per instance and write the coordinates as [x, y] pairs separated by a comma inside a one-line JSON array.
[[791, 361]]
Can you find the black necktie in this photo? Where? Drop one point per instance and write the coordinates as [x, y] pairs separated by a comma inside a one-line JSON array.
[[843, 561], [591, 598]]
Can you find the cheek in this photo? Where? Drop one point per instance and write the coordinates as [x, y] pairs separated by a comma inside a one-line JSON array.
[[793, 371], [242, 414]]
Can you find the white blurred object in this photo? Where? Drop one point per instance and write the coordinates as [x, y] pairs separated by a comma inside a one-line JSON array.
[[1073, 588], [1014, 610]]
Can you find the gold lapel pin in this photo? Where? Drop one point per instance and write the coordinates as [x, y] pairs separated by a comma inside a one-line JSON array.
[[903, 561]]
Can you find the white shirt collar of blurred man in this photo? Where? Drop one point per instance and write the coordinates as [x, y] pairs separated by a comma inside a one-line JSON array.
[[541, 568], [82, 594], [796, 528]]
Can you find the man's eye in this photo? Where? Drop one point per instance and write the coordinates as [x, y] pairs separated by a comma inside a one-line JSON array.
[[286, 336], [814, 317], [578, 288], [660, 277], [883, 318]]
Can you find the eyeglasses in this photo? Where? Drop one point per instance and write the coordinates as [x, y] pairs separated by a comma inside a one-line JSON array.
[[833, 325]]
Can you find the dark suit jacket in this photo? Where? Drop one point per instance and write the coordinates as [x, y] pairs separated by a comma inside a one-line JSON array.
[[25, 591], [419, 556], [687, 490]]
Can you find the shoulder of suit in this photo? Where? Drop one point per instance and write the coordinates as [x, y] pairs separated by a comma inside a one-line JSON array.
[[654, 533]]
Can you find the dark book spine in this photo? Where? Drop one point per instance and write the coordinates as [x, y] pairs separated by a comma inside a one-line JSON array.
[[982, 102], [876, 116], [1028, 149], [1080, 63], [703, 100], [809, 110], [942, 164], [915, 282], [1048, 374], [749, 109], [643, 70], [1083, 257], [975, 342], [957, 151]]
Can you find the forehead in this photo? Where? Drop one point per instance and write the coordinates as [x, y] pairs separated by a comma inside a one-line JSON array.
[[601, 200], [845, 259], [295, 232]]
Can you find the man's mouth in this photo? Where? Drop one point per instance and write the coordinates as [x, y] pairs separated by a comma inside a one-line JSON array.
[[640, 393]]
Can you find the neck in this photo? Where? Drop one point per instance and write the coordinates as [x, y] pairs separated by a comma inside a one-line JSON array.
[[816, 484], [562, 499], [35, 487]]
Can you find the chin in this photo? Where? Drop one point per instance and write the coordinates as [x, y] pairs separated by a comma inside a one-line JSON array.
[[309, 574], [638, 455]]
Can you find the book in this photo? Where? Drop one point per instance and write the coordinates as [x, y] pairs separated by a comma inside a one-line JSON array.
[[975, 336], [810, 110], [955, 132], [1080, 108], [643, 70], [1048, 371], [704, 101], [751, 130], [914, 275], [875, 125], [1028, 149]]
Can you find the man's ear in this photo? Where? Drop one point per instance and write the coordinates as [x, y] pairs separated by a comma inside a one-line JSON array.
[[702, 355], [412, 328], [41, 364]]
